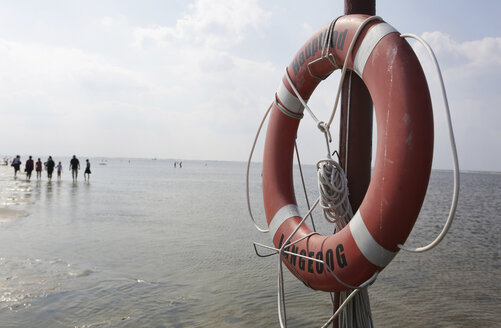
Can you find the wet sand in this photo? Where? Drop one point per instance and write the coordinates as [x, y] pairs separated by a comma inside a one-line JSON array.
[[9, 214]]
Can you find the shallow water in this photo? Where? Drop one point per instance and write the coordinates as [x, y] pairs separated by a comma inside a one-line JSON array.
[[144, 244]]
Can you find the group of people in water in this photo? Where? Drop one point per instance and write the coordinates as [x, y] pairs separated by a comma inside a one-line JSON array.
[[50, 166]]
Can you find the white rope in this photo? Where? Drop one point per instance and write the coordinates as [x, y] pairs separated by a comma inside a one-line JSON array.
[[345, 66], [305, 105], [328, 39], [455, 194], [333, 190], [354, 310], [324, 54], [321, 125], [304, 185], [248, 169], [341, 308], [333, 199]]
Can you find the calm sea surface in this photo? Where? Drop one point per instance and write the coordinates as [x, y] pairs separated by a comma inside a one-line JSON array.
[[145, 244]]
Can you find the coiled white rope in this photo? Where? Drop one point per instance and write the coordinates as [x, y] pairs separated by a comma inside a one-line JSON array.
[[333, 190], [334, 200]]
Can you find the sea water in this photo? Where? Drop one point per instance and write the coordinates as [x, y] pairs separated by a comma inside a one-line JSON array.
[[147, 244]]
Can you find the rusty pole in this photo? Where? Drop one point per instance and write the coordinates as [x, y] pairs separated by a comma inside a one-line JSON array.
[[355, 140]]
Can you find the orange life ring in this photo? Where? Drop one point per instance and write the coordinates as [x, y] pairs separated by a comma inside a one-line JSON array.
[[397, 85]]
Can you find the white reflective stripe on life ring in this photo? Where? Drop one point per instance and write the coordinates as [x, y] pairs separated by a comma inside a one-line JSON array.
[[374, 35], [369, 247], [286, 212], [290, 101]]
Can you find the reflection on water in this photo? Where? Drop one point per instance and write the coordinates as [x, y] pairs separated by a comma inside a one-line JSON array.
[[147, 245]]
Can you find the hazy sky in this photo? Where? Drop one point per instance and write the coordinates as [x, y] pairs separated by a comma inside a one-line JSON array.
[[192, 79]]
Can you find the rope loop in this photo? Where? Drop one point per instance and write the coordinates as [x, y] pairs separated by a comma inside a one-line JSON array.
[[264, 230], [455, 162], [328, 137], [322, 126]]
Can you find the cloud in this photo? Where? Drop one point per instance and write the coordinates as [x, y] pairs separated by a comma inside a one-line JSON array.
[[107, 21], [219, 88], [472, 75], [478, 53], [50, 92], [197, 85], [213, 24], [167, 91], [59, 73]]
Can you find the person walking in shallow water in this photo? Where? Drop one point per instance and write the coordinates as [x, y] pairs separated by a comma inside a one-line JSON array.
[[16, 163], [74, 167], [28, 167], [87, 171], [59, 170], [50, 167], [38, 168]]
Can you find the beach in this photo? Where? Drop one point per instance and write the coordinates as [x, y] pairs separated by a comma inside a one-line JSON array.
[[144, 244]]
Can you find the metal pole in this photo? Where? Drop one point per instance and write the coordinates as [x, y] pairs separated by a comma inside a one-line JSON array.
[[355, 140], [355, 143]]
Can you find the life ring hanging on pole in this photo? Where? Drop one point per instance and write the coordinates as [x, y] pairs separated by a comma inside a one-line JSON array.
[[397, 85]]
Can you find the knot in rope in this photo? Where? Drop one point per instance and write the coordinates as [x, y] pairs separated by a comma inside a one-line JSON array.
[[333, 189], [323, 127]]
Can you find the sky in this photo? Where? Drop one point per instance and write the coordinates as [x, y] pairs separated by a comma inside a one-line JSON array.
[[193, 79]]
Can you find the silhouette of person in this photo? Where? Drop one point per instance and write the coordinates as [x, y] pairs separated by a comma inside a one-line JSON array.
[[38, 168], [50, 164], [16, 163], [87, 171], [74, 167], [29, 168], [59, 170]]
